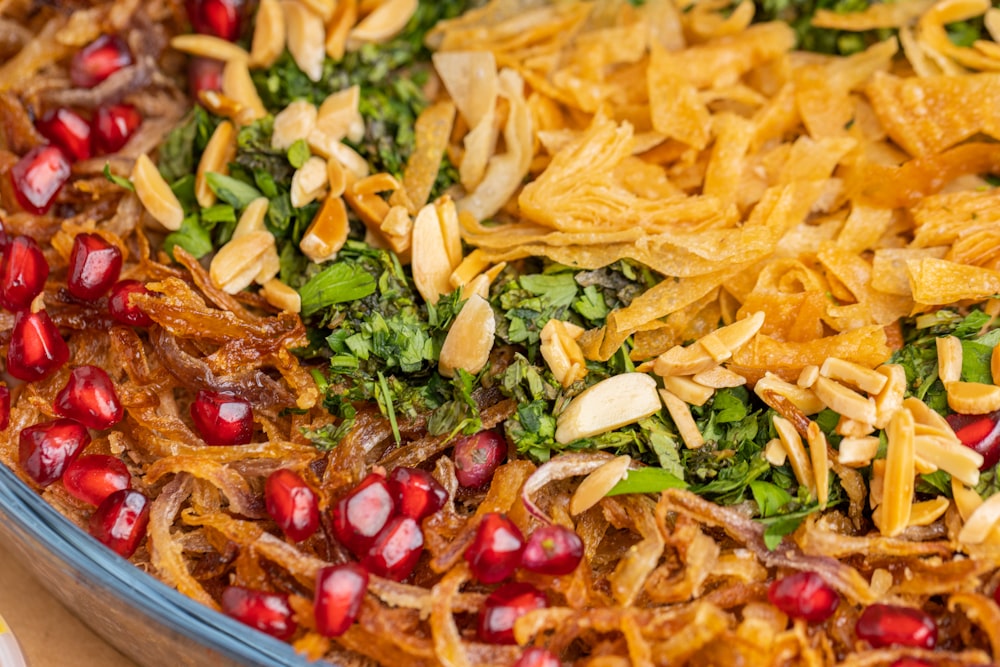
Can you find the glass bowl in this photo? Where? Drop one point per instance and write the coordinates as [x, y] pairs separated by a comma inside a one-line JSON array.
[[143, 618], [10, 652]]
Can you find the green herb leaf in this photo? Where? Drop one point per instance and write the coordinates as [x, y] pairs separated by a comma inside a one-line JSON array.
[[117, 180], [647, 480], [299, 153], [191, 236], [234, 192], [770, 498], [337, 283]]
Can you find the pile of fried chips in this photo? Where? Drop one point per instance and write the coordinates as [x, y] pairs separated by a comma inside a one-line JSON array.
[[834, 194]]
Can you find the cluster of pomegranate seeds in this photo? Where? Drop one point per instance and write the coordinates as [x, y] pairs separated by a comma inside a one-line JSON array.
[[68, 130], [268, 612], [890, 625], [45, 450], [804, 595], [495, 552], [120, 306], [503, 607], [477, 457], [120, 521], [340, 590], [98, 60], [222, 418], [22, 274], [221, 18], [38, 177], [416, 493], [980, 433], [552, 550], [94, 477], [537, 657], [360, 516], [36, 348], [292, 504], [90, 398]]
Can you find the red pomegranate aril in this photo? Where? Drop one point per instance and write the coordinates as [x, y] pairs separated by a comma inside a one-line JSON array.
[[94, 477], [360, 516], [4, 407], [90, 398], [268, 612], [804, 595], [36, 349], [204, 75], [981, 433], [22, 274], [887, 625], [496, 549], [553, 550], [120, 521], [340, 590], [503, 607], [292, 504], [222, 419], [537, 657], [98, 60], [477, 457], [396, 549], [113, 126], [120, 305], [38, 177], [68, 130], [416, 493], [94, 266], [222, 18], [46, 449]]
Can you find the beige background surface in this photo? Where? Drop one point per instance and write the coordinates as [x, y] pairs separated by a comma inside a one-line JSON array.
[[49, 635]]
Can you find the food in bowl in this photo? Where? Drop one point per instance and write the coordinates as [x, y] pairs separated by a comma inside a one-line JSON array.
[[523, 333]]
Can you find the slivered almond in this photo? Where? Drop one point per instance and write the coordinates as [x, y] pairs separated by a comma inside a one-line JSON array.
[[851, 428], [470, 338], [949, 354], [995, 359], [857, 452], [376, 183], [293, 123], [807, 376], [897, 498], [804, 399], [775, 452], [238, 262], [155, 194], [617, 401], [923, 466], [327, 233], [959, 461], [219, 152], [397, 226], [351, 160], [876, 486], [561, 352], [981, 522], [220, 105], [695, 358], [844, 401], [268, 34], [736, 335], [252, 218], [881, 582], [853, 374], [431, 265], [337, 175], [322, 8], [966, 499], [973, 398], [270, 265], [343, 19], [932, 422], [481, 285], [680, 413], [209, 46], [719, 378], [687, 389], [797, 457], [471, 266], [715, 347], [820, 462], [388, 19], [339, 115], [280, 295], [306, 38], [597, 484], [308, 182], [890, 399], [451, 231], [237, 85]]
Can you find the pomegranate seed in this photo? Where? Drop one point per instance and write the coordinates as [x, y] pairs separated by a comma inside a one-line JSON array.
[[340, 590], [113, 126], [38, 177], [46, 449], [222, 18], [94, 477], [553, 550], [120, 521], [292, 504], [980, 433], [36, 349], [503, 607], [804, 595], [477, 457], [67, 130], [94, 265], [537, 657], [90, 398], [884, 625], [120, 306], [222, 418], [396, 550], [204, 75], [268, 612], [98, 60], [361, 515], [4, 407], [496, 549], [416, 492], [22, 274]]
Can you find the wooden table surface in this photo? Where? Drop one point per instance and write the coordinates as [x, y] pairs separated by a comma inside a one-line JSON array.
[[48, 634]]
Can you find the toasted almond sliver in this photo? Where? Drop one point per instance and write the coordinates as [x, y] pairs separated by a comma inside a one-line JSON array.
[[294, 122], [959, 461], [343, 19], [876, 486], [799, 460], [237, 85], [252, 218], [982, 520], [339, 115], [929, 420], [966, 499], [322, 8], [973, 398], [928, 511], [881, 581], [949, 354], [687, 389], [431, 266], [715, 347], [388, 19], [851, 428], [209, 46], [680, 360], [470, 338], [270, 265], [268, 34], [890, 398], [736, 335], [306, 38], [807, 376], [451, 230], [280, 295], [899, 473], [680, 413], [309, 182], [923, 466], [471, 266], [719, 377], [820, 462], [804, 399], [853, 374], [155, 194], [857, 452], [775, 452], [327, 233], [845, 401], [237, 263], [597, 484], [219, 152], [617, 401]]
